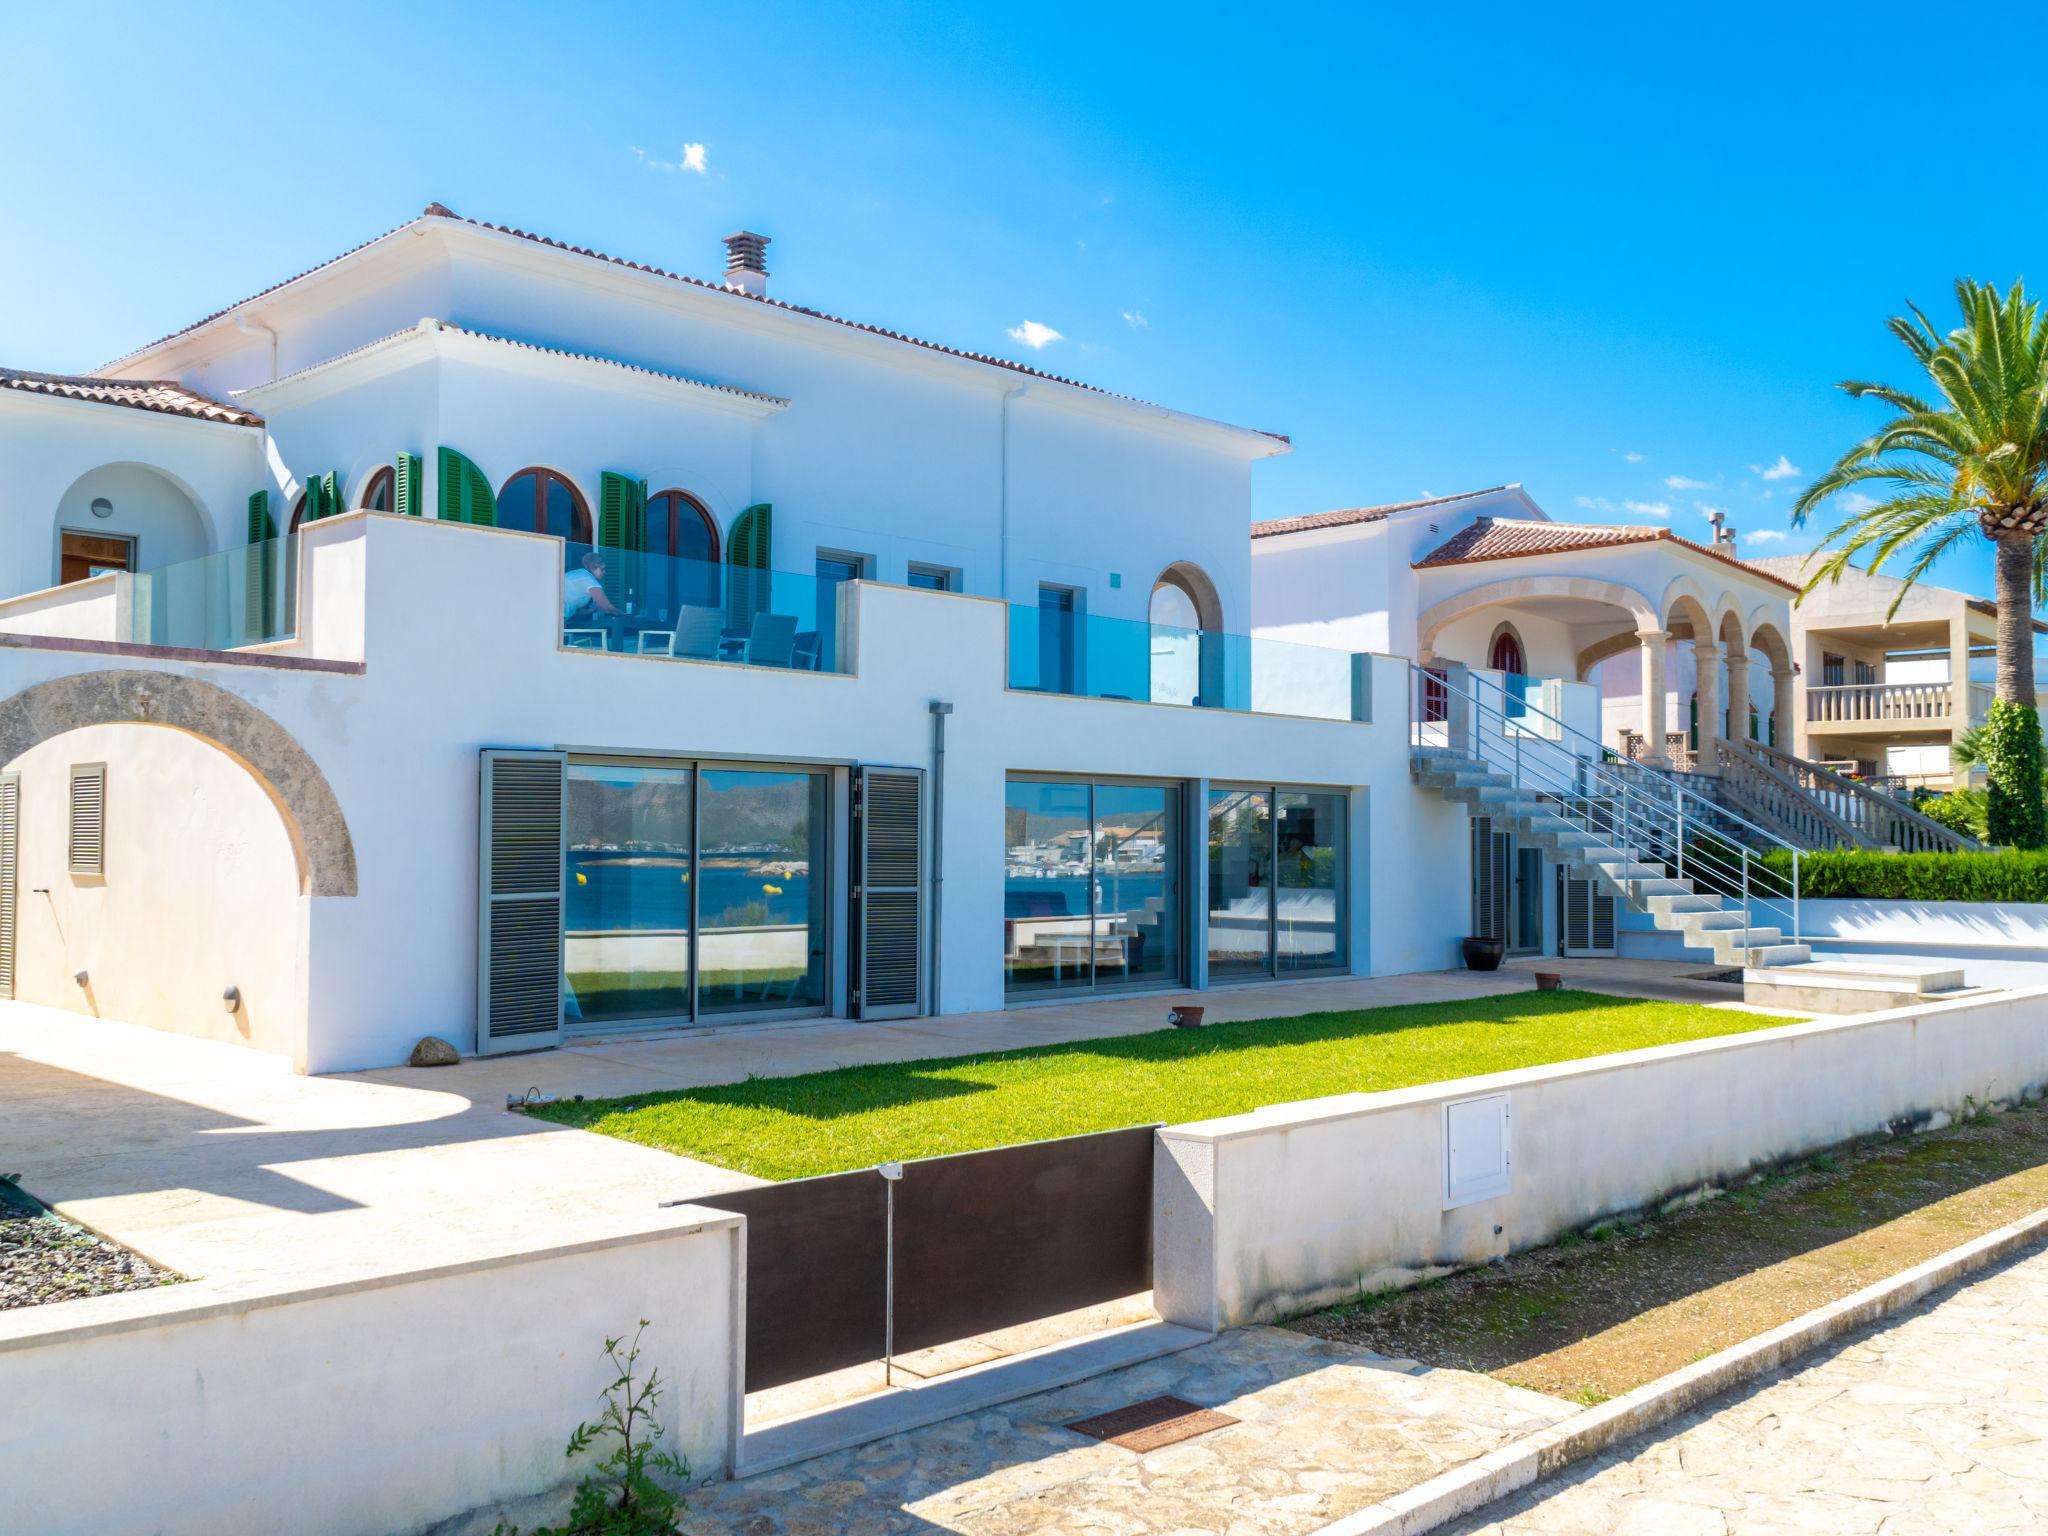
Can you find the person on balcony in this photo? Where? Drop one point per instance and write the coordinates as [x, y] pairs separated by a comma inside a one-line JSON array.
[[585, 604]]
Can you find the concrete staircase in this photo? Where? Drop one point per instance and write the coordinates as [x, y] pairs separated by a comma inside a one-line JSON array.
[[1709, 922]]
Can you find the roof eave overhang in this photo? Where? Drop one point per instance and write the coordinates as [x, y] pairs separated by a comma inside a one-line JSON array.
[[433, 339]]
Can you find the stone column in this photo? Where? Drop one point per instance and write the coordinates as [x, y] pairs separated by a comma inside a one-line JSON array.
[[1651, 642], [1706, 664], [1738, 693], [1785, 706]]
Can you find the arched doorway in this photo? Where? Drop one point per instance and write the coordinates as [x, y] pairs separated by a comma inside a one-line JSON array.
[[1186, 622], [124, 517]]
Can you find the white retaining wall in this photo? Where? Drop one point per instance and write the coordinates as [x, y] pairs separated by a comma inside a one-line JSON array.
[[1261, 1214], [377, 1409]]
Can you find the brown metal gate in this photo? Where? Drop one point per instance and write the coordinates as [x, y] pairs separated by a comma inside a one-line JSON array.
[[982, 1240]]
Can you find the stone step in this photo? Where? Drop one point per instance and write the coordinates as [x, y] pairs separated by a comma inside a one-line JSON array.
[[1840, 986], [1770, 956]]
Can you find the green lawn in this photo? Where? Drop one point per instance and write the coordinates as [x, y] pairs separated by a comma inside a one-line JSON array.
[[825, 1122]]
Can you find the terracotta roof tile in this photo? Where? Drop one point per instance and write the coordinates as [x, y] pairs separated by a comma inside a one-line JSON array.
[[158, 395], [1350, 515], [442, 211], [1501, 538]]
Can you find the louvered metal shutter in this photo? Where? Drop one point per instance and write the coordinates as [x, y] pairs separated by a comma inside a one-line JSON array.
[[1588, 919], [1491, 877], [519, 901], [10, 874], [888, 892], [87, 847]]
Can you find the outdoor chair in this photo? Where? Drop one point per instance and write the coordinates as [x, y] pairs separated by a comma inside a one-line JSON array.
[[584, 639], [772, 641], [809, 646], [655, 642], [697, 634]]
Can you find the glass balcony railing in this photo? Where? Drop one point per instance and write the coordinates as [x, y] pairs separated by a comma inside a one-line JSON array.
[[215, 602], [701, 610], [1056, 651]]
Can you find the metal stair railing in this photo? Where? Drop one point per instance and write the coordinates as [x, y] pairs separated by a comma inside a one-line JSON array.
[[1879, 820], [1716, 850]]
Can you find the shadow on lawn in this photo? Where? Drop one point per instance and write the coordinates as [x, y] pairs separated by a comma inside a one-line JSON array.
[[845, 1091]]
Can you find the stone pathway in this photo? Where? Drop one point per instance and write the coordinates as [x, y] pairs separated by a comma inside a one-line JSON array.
[[1933, 1423], [1325, 1429]]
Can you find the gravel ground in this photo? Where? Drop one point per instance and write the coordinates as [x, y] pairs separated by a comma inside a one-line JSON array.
[[43, 1257]]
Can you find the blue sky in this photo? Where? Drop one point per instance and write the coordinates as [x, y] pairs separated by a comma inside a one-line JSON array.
[[1618, 254]]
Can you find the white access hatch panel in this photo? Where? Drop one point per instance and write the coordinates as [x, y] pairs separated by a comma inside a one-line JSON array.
[[1477, 1161]]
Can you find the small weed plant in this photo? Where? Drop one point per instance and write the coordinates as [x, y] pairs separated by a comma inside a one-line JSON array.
[[622, 1496]]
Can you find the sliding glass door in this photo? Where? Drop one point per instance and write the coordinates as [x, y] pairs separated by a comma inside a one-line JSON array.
[[1277, 868], [760, 908], [693, 891], [1091, 887]]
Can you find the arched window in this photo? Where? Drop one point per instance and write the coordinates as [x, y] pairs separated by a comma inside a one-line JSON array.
[[1507, 654], [541, 500], [680, 527], [1187, 653], [377, 494]]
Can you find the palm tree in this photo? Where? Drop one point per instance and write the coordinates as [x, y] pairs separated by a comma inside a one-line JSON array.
[[1970, 463]]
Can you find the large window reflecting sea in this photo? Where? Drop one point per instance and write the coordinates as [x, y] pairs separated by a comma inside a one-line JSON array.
[[693, 885]]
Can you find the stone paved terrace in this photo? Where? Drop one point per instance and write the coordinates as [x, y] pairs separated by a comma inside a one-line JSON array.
[[1933, 1424], [1324, 1429]]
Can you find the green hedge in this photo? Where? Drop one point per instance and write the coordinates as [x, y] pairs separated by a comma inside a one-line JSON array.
[[1919, 876]]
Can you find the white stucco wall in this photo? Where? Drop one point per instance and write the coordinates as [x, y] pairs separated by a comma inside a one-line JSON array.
[[280, 1412], [446, 676], [179, 486], [1307, 1203], [201, 891]]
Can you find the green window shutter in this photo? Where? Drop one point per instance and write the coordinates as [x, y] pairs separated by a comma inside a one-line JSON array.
[[747, 549], [260, 525], [259, 572], [465, 493], [408, 490], [621, 531], [323, 496]]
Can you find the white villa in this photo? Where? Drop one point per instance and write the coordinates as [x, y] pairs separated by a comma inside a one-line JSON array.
[[484, 637]]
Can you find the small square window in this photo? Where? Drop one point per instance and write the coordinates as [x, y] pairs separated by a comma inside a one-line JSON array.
[[934, 578]]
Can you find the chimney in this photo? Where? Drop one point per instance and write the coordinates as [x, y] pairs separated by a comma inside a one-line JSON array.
[[746, 262]]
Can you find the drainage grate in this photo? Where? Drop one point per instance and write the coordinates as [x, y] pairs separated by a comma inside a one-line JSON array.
[[1156, 1422]]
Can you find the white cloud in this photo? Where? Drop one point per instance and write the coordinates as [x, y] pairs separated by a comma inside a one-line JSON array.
[[1855, 501], [1597, 504], [1767, 536], [693, 159], [1708, 511], [1784, 469], [1680, 483], [1633, 458], [1136, 320], [1648, 508], [1035, 336]]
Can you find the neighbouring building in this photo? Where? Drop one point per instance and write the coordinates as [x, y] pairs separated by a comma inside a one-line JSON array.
[[1684, 645], [1889, 691]]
